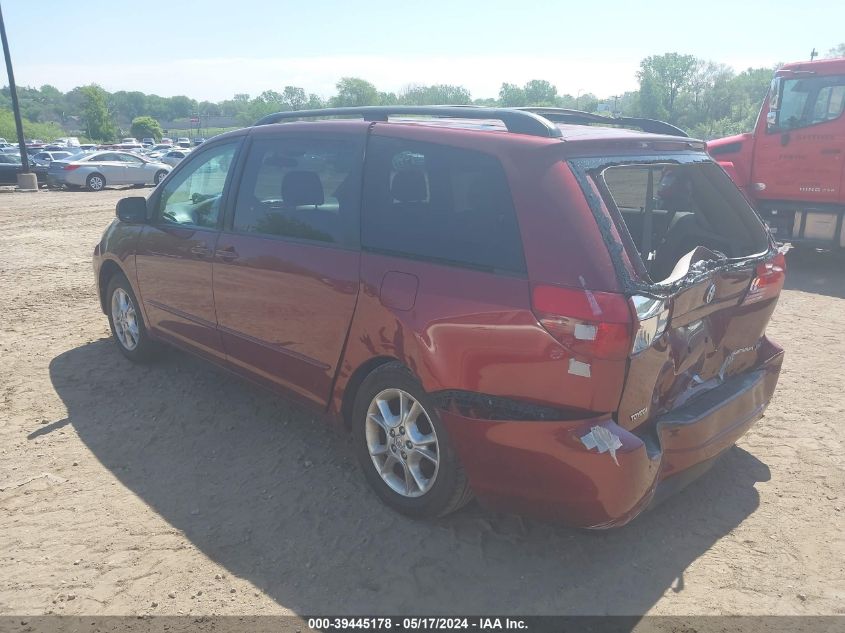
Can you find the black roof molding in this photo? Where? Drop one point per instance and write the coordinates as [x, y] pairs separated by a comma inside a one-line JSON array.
[[518, 121], [535, 121], [578, 117]]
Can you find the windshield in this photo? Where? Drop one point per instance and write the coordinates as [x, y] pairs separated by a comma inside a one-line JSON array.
[[809, 101]]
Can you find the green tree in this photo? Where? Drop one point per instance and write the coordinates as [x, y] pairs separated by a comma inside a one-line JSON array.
[[181, 107], [837, 51], [294, 98], [438, 94], [511, 95], [95, 114], [146, 127], [540, 92], [42, 131], [207, 107], [314, 102], [128, 105], [662, 78], [352, 91]]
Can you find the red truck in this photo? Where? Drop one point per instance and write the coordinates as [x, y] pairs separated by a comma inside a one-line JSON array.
[[792, 166]]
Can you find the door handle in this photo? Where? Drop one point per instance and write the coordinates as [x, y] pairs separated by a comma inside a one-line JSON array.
[[227, 254], [200, 250]]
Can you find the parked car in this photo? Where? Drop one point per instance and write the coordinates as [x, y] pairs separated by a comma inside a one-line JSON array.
[[166, 141], [490, 310], [184, 142], [88, 147], [11, 166], [148, 141], [98, 170], [199, 141], [161, 147], [45, 158], [174, 157]]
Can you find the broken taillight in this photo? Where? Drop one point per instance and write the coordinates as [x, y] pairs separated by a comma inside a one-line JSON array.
[[652, 318], [589, 323], [768, 280]]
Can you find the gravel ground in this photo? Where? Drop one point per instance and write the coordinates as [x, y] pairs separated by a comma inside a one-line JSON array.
[[177, 488]]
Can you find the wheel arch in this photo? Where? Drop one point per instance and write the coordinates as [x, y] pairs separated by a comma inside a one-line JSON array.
[[108, 270], [356, 379]]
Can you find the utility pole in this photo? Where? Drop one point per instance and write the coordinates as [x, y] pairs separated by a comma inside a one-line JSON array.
[[813, 54], [25, 179]]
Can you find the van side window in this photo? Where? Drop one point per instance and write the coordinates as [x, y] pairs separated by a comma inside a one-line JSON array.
[[194, 196], [438, 202], [304, 188]]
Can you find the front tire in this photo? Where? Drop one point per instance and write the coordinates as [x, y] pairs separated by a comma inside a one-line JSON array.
[[95, 182], [126, 323], [403, 446]]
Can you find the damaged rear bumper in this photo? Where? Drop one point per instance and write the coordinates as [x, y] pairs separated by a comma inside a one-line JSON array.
[[592, 472]]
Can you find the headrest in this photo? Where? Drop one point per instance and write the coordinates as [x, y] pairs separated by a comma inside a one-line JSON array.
[[409, 186], [301, 188]]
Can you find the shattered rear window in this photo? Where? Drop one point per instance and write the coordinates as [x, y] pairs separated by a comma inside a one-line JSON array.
[[670, 209]]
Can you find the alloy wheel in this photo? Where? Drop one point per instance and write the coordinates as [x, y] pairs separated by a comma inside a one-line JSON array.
[[125, 319], [402, 442]]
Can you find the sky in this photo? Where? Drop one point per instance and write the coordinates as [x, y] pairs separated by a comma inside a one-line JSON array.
[[211, 49]]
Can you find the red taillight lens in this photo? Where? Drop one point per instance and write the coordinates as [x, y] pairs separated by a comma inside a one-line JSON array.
[[70, 167], [594, 324], [768, 281]]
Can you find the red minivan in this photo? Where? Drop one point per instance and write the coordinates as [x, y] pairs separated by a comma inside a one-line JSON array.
[[558, 318]]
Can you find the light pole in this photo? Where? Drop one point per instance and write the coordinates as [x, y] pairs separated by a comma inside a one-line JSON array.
[[26, 180]]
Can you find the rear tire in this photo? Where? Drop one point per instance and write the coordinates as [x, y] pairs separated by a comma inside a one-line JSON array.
[[405, 452], [95, 182], [126, 323], [160, 175]]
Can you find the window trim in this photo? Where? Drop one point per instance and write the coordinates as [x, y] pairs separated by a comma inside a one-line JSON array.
[[228, 227], [155, 199]]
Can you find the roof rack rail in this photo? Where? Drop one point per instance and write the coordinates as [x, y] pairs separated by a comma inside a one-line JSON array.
[[579, 117], [515, 120]]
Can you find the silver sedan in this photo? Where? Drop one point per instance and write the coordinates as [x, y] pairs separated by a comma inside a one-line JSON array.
[[101, 169], [174, 157]]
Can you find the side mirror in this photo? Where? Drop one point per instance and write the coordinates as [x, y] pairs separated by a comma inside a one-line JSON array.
[[771, 119], [132, 210]]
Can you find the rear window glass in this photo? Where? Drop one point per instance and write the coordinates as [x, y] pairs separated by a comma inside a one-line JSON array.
[[671, 209], [438, 202]]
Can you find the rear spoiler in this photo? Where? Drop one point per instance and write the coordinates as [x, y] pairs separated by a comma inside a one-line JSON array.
[[578, 117]]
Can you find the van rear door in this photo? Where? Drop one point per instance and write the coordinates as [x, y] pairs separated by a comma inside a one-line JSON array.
[[705, 281]]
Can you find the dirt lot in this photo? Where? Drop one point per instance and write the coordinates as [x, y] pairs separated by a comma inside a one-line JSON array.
[[177, 488]]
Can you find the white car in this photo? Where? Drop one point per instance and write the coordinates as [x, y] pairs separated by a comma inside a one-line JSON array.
[[98, 170], [45, 158], [174, 157]]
